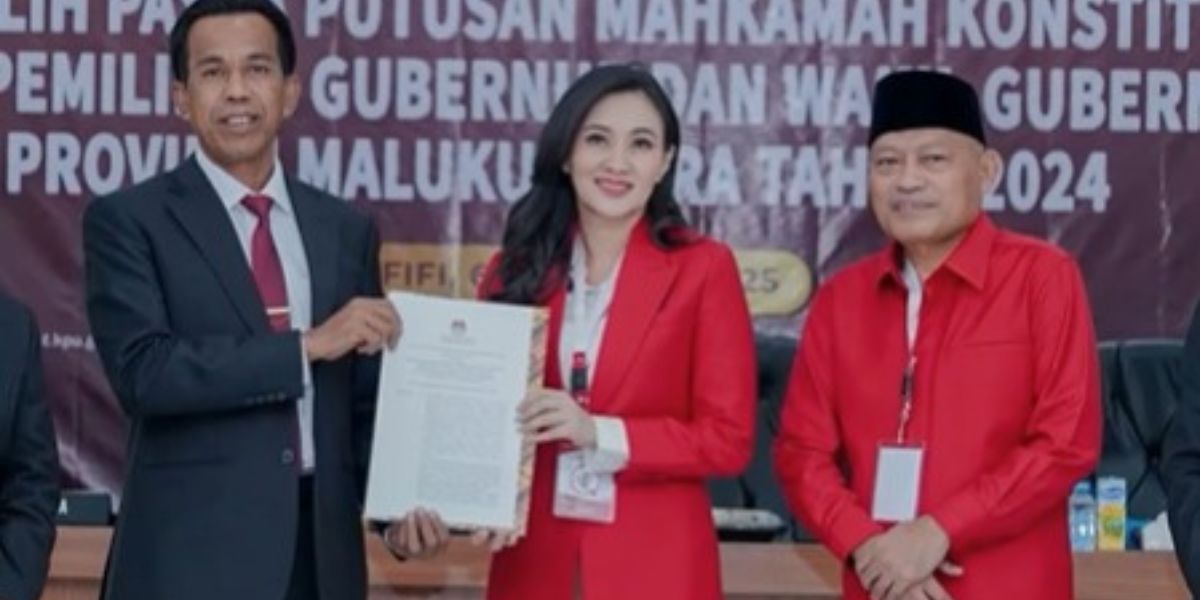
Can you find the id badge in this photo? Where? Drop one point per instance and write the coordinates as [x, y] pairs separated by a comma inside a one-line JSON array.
[[583, 494], [897, 483]]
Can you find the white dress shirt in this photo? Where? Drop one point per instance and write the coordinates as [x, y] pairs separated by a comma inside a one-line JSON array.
[[285, 231], [585, 317], [912, 306]]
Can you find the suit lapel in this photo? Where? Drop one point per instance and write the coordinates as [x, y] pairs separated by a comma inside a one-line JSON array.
[[320, 235], [195, 205], [647, 273]]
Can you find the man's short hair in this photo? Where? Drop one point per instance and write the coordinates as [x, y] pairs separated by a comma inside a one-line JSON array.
[[285, 41]]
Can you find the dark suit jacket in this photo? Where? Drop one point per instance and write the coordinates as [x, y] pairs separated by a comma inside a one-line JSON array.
[[28, 459], [1181, 461], [210, 495]]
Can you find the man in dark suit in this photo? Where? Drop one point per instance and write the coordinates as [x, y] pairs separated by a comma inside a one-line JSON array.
[[28, 459], [238, 316], [1181, 461]]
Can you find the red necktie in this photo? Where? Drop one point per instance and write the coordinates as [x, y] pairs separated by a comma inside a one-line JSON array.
[[264, 262], [268, 276]]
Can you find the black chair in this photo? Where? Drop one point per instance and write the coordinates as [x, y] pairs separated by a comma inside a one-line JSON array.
[[85, 508], [757, 489], [1142, 387]]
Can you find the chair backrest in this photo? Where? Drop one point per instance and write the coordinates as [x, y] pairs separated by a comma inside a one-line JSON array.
[[757, 486], [775, 356], [1141, 389]]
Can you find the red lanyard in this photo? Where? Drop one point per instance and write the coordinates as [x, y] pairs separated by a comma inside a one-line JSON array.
[[911, 278], [906, 399]]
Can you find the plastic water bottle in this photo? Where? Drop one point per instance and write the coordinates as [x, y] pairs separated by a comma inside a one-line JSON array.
[[1082, 515]]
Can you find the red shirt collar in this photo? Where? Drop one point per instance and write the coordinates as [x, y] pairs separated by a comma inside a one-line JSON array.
[[968, 261]]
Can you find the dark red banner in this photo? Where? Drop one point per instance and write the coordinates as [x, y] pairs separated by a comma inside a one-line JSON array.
[[424, 112]]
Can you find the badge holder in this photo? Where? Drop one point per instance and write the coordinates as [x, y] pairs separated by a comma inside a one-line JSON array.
[[898, 468], [579, 492], [897, 482]]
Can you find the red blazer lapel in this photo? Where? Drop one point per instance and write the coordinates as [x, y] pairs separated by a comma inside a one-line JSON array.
[[646, 275]]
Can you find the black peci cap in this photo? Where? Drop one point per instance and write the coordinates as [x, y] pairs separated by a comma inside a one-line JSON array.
[[913, 99]]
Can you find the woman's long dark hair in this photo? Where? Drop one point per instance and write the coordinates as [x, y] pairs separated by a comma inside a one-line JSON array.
[[537, 245]]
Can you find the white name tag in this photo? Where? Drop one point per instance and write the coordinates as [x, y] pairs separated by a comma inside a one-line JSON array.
[[897, 482], [583, 494]]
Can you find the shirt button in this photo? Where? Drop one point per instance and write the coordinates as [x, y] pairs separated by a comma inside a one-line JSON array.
[[287, 457]]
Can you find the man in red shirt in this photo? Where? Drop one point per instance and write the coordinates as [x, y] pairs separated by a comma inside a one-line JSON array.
[[945, 397]]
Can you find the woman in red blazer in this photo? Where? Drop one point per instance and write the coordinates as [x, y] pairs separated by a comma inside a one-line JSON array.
[[650, 377]]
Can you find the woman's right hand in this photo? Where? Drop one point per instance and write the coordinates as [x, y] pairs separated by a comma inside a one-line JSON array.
[[553, 415]]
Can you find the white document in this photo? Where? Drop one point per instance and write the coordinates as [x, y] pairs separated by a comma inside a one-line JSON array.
[[446, 428]]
